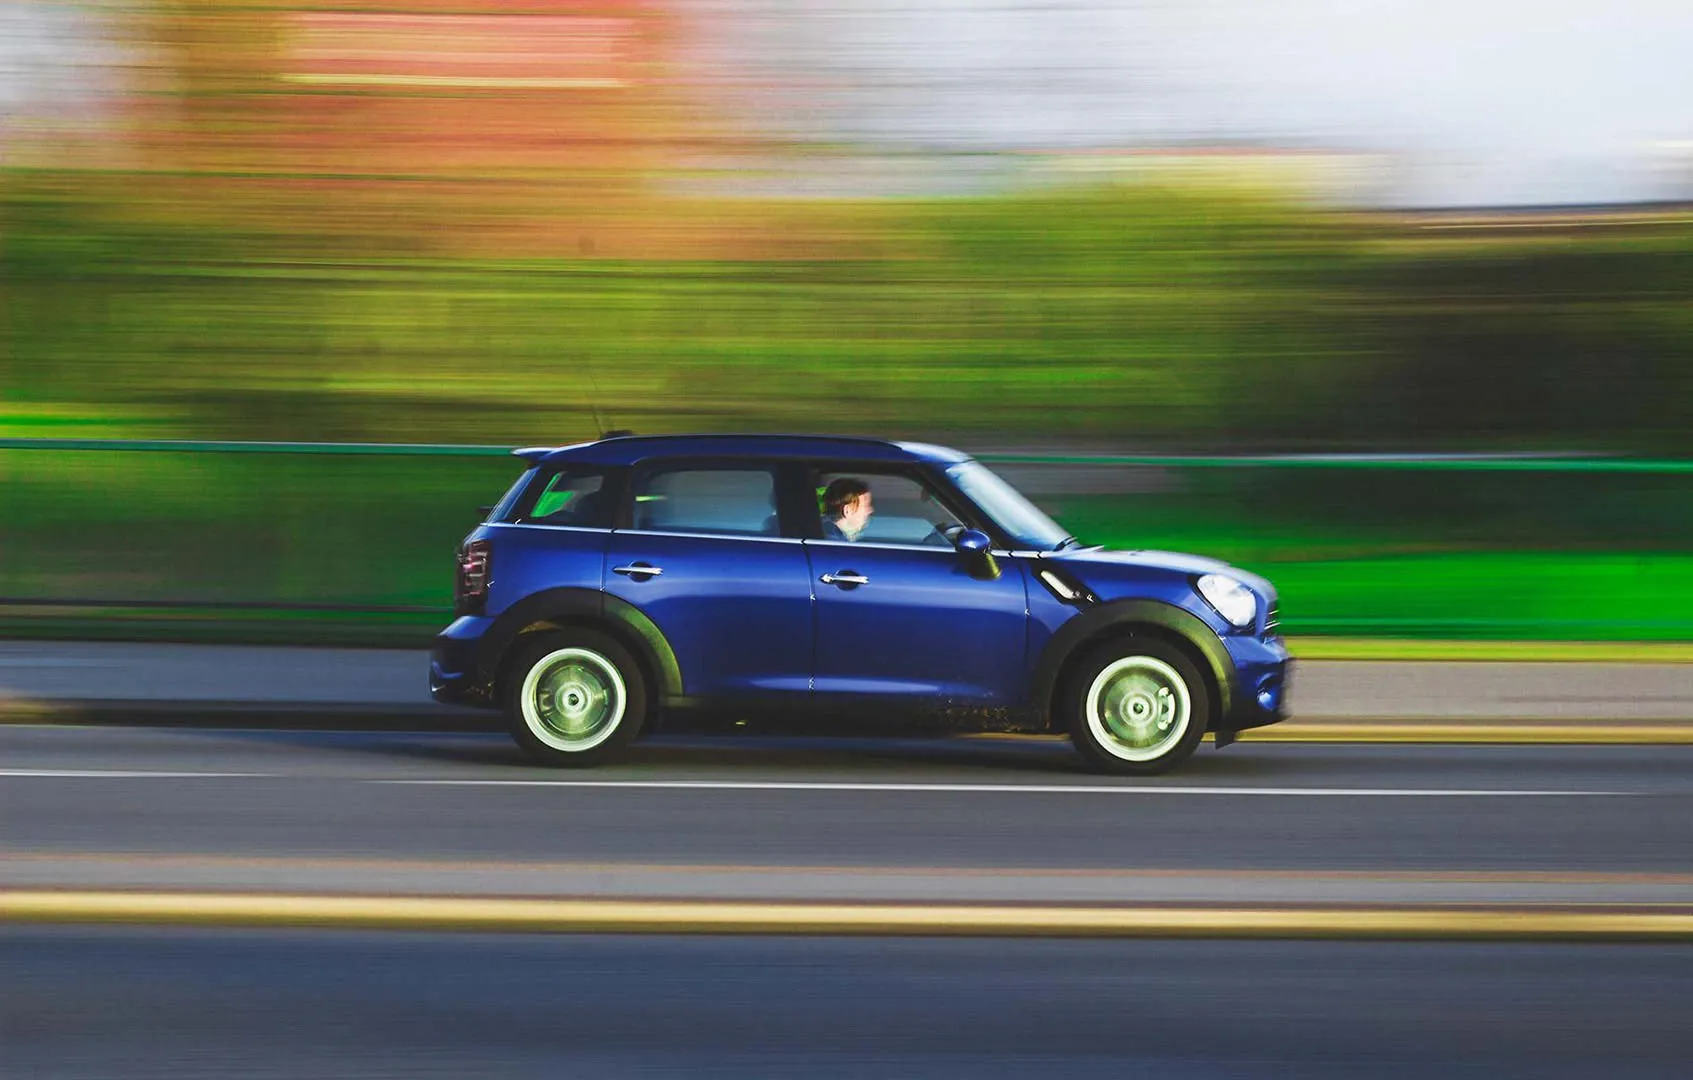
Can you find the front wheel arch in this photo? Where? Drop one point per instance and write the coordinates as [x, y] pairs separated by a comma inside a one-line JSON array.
[[1101, 623], [1214, 693]]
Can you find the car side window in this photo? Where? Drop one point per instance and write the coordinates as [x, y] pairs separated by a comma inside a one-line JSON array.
[[572, 497], [737, 501], [902, 511]]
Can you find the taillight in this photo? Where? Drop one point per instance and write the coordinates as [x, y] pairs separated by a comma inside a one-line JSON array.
[[470, 589]]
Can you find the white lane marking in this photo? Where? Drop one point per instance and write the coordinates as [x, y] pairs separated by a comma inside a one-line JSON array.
[[52, 662], [1041, 789], [818, 785], [127, 774]]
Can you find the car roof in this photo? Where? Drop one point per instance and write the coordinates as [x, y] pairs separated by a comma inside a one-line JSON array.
[[630, 449]]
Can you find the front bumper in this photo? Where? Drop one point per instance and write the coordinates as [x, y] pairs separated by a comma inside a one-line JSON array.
[[1263, 670]]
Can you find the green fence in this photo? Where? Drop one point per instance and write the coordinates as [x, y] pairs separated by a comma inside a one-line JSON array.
[[338, 543]]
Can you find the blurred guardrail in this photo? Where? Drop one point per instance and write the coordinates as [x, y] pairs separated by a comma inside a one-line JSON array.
[[315, 542]]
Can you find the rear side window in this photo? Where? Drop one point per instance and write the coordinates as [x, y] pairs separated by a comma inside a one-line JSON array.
[[572, 497], [738, 501]]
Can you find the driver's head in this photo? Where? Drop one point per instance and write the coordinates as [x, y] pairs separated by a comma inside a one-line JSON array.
[[846, 502]]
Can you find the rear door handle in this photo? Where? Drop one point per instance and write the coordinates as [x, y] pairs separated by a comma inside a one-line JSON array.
[[846, 578], [638, 570]]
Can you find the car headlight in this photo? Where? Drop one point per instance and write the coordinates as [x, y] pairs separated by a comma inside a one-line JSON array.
[[1232, 600]]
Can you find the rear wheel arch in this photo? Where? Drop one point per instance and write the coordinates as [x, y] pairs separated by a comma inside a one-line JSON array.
[[519, 644], [564, 609]]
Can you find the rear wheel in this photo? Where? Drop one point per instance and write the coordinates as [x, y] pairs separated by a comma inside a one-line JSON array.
[[1136, 706], [575, 698]]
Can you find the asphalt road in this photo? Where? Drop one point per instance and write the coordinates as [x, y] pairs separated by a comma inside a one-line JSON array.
[[88, 1003], [139, 812], [862, 819]]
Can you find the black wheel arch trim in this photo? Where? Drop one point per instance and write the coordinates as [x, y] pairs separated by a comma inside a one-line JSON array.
[[581, 605], [1102, 621]]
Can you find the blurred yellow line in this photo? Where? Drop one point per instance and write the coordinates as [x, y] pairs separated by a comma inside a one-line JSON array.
[[711, 917], [1520, 732], [1473, 731]]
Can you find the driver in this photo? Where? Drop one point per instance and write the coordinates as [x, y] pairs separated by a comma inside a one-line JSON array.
[[846, 508]]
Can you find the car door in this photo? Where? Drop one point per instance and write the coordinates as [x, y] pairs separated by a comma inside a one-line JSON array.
[[898, 613], [703, 557]]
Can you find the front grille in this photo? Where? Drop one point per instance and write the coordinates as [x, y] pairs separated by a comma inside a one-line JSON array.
[[1272, 620]]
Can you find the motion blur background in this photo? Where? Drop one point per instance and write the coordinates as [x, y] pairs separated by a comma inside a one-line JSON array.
[[1176, 240]]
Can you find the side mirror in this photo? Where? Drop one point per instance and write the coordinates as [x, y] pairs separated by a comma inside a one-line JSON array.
[[975, 548]]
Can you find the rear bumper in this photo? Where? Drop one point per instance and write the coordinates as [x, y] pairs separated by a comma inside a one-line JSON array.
[[1263, 670], [455, 676]]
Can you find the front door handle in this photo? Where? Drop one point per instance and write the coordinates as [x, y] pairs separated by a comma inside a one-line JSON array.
[[639, 571], [846, 579]]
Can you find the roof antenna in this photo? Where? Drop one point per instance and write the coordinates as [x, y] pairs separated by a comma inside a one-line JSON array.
[[593, 406]]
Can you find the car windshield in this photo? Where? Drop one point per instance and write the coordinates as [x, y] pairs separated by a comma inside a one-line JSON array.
[[1017, 516]]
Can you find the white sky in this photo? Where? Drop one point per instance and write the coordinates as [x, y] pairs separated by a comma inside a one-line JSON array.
[[1491, 101], [49, 56], [1476, 101]]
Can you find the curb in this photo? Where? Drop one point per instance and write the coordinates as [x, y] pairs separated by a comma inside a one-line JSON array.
[[1393, 650], [253, 715], [505, 915]]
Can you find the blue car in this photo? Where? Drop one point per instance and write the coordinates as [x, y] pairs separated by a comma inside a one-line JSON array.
[[623, 581]]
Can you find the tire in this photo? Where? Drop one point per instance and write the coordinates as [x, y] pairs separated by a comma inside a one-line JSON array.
[[1136, 707], [574, 698]]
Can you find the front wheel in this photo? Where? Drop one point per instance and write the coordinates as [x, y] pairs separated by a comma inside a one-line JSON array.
[[575, 698], [1136, 706]]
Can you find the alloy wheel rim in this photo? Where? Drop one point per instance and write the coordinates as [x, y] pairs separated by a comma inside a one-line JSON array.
[[1138, 708], [573, 699]]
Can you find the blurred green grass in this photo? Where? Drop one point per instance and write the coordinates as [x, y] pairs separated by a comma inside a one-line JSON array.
[[360, 531], [1128, 318], [1125, 315], [357, 548]]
